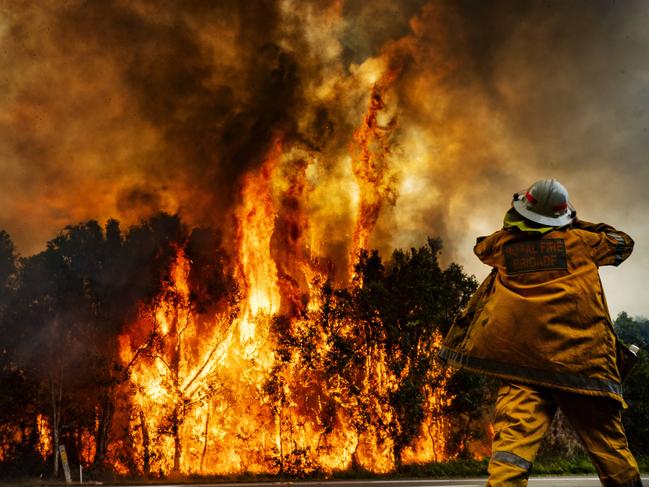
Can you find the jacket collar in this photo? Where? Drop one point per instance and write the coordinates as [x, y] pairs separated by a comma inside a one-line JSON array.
[[514, 220]]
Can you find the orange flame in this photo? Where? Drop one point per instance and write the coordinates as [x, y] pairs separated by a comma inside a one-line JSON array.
[[371, 164], [256, 221], [44, 446], [257, 272], [211, 394]]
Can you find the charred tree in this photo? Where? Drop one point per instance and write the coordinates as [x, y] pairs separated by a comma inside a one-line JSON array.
[[207, 436], [146, 446], [56, 394], [102, 436]]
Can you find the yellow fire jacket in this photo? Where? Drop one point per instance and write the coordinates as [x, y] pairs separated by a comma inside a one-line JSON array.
[[540, 317]]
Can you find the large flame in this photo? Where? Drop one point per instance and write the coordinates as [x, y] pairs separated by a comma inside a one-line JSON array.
[[293, 151], [211, 395], [44, 436], [371, 163]]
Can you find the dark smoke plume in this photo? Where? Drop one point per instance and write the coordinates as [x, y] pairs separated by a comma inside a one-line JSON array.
[[115, 108]]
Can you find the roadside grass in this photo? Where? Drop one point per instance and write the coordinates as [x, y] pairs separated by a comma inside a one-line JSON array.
[[450, 469], [559, 466], [581, 464], [643, 463], [545, 466]]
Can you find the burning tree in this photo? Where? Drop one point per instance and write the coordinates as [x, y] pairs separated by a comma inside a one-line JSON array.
[[271, 350], [348, 380], [153, 361]]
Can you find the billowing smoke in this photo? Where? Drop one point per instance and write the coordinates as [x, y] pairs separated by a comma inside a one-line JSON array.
[[124, 108], [127, 108]]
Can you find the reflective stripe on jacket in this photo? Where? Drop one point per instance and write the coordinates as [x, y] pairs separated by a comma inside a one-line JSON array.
[[541, 316]]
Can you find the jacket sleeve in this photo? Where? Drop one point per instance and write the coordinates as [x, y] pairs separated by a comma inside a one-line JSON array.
[[484, 248], [608, 245]]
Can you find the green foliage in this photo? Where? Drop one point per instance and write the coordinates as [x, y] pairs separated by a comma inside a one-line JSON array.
[[8, 262], [453, 468], [561, 442], [636, 387], [69, 303], [469, 411], [643, 462], [392, 309], [633, 330], [407, 303], [579, 464]]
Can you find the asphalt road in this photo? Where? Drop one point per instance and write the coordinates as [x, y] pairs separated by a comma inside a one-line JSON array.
[[568, 481]]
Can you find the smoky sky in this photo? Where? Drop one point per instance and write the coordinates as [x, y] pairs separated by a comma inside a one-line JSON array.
[[211, 100], [558, 89], [175, 82], [120, 109]]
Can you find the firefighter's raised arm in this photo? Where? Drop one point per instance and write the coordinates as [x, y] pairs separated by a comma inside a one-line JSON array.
[[608, 245], [483, 248]]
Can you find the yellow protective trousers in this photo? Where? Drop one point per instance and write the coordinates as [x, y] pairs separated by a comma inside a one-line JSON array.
[[523, 416]]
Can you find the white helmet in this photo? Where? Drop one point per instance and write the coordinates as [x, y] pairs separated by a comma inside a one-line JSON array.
[[545, 202]]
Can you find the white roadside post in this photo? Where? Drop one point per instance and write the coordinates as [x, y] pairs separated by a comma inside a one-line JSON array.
[[66, 465]]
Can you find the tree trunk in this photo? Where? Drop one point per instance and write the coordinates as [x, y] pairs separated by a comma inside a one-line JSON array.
[[281, 444], [396, 453], [57, 395], [432, 439], [176, 432], [356, 465], [103, 430], [178, 414], [207, 432], [56, 454], [146, 455]]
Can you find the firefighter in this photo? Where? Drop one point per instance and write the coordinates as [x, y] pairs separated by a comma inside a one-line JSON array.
[[540, 322]]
